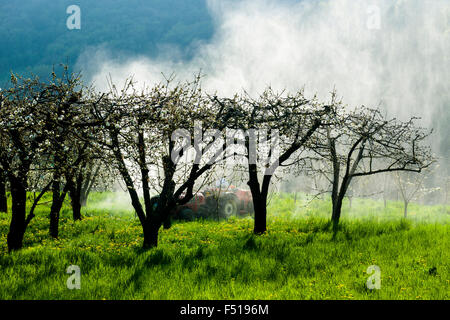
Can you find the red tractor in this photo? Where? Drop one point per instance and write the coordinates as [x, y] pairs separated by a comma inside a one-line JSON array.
[[219, 203]]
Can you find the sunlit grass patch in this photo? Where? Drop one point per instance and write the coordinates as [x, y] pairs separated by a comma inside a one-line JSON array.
[[298, 257]]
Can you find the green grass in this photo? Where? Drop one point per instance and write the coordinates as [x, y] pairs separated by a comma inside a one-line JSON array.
[[297, 258]]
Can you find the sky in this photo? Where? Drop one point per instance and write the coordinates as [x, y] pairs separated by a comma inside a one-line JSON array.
[[388, 53]]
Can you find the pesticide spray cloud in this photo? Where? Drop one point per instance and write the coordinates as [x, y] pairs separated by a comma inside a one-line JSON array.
[[393, 53]]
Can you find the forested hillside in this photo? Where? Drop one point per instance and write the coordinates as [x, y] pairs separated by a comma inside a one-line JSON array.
[[34, 35]]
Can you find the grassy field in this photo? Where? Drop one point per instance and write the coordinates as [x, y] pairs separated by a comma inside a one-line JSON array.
[[298, 258]]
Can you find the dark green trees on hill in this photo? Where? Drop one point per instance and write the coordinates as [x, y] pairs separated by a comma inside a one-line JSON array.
[[34, 35]]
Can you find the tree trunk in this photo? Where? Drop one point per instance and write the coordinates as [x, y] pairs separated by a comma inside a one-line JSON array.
[[3, 198], [259, 196], [83, 189], [406, 209], [336, 215], [17, 226], [260, 208], [75, 199], [166, 203], [151, 229], [55, 209], [86, 183], [76, 207], [260, 220], [54, 219]]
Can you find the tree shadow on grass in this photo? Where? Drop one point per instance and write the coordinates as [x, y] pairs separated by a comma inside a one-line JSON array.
[[155, 258], [346, 232], [250, 244]]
